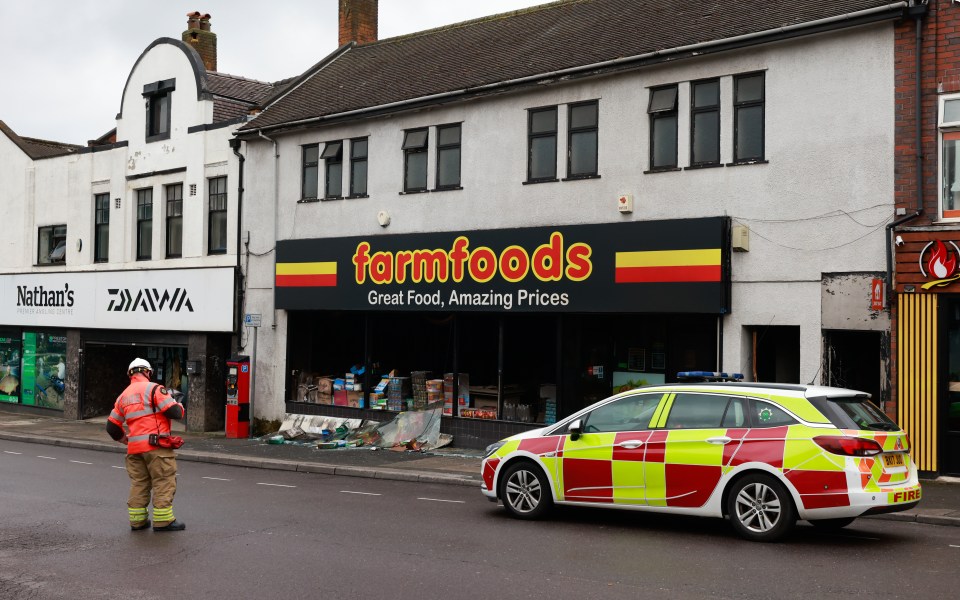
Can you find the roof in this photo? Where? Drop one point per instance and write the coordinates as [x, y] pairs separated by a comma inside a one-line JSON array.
[[484, 55], [234, 96], [36, 148]]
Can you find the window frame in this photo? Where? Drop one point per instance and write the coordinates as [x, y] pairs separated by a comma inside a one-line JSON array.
[[444, 149], [213, 182], [571, 131], [642, 398], [307, 166], [695, 110], [948, 131], [355, 161], [531, 136], [143, 205], [101, 227], [173, 212], [411, 148], [737, 106], [158, 98], [661, 114], [57, 234], [332, 156], [726, 398]]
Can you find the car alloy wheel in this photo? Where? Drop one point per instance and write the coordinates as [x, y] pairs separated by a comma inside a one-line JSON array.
[[760, 508], [524, 491]]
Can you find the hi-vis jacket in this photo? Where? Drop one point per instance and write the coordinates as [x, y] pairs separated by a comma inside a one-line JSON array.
[[146, 408]]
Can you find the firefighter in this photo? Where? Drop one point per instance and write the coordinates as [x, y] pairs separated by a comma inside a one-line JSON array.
[[147, 408]]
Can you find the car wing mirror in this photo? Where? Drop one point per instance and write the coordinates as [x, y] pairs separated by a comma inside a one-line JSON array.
[[575, 429]]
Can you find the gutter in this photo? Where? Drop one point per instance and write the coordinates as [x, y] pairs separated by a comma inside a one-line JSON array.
[[622, 62]]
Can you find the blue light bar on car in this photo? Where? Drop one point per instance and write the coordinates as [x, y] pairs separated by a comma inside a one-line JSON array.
[[708, 376]]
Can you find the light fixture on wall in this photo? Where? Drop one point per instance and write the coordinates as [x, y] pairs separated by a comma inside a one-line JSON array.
[[383, 217]]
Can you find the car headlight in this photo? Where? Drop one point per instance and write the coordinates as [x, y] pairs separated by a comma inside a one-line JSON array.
[[493, 448]]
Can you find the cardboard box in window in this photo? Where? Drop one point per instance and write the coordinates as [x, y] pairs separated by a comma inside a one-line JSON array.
[[324, 398], [355, 399], [340, 397], [325, 385]]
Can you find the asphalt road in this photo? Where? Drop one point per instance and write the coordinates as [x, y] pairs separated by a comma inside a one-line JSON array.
[[265, 534]]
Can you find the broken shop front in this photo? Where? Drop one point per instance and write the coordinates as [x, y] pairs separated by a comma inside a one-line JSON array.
[[66, 338], [510, 328]]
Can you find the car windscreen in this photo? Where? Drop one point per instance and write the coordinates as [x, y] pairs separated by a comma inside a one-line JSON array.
[[854, 412]]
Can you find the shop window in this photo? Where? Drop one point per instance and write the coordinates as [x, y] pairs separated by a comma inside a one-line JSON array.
[[950, 157], [101, 231], [705, 123], [448, 157], [542, 144], [358, 167], [52, 245], [309, 172], [582, 140], [217, 221], [333, 170], [415, 160], [144, 223], [748, 117], [43, 373], [9, 367], [158, 97], [662, 110], [174, 195]]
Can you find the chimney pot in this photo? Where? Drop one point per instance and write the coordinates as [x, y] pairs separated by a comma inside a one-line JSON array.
[[199, 37]]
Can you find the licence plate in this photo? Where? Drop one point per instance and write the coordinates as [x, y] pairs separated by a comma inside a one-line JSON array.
[[893, 460]]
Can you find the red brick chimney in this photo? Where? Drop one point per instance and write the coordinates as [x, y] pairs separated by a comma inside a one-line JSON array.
[[201, 39], [358, 21]]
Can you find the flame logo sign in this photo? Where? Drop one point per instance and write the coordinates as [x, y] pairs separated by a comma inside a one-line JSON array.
[[942, 263]]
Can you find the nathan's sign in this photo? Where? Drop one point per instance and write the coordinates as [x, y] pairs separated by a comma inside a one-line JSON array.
[[661, 266]]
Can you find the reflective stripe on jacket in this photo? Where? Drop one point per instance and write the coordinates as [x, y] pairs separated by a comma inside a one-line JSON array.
[[142, 413]]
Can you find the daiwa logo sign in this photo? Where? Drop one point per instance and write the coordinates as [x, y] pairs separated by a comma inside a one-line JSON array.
[[148, 300]]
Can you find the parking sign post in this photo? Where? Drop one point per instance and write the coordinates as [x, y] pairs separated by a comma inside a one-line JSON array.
[[252, 320]]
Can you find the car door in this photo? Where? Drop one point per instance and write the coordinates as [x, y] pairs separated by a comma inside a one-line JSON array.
[[604, 462], [686, 453]]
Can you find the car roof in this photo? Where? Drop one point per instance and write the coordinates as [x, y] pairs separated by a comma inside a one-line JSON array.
[[807, 391]]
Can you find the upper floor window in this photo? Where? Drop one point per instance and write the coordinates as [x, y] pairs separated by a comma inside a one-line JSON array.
[[358, 167], [101, 231], [705, 122], [174, 220], [217, 218], [310, 172], [448, 157], [662, 110], [144, 223], [415, 160], [950, 157], [542, 144], [748, 117], [52, 245], [158, 97], [582, 140], [333, 170]]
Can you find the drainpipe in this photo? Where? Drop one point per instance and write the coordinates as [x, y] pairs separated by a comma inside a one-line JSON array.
[[241, 281]]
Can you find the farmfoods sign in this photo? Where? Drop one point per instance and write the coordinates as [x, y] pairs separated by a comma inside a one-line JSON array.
[[653, 266]]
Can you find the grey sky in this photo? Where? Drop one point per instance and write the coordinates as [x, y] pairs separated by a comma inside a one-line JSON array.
[[64, 62]]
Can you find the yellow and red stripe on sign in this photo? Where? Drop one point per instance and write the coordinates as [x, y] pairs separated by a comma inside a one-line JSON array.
[[658, 266], [307, 274]]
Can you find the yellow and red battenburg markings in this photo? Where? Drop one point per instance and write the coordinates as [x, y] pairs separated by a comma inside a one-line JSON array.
[[307, 274], [658, 266]]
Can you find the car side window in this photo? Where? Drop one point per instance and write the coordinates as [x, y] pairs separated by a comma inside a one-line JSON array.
[[626, 414], [766, 414], [736, 414], [698, 411]]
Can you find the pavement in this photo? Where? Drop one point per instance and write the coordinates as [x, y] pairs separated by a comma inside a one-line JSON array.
[[450, 465]]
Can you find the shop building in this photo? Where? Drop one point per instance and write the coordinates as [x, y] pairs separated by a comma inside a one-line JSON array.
[[924, 238], [128, 247], [530, 211]]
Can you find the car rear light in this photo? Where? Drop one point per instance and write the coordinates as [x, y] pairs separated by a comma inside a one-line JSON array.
[[848, 446]]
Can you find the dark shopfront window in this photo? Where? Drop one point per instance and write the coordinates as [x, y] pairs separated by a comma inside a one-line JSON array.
[[33, 368], [547, 366]]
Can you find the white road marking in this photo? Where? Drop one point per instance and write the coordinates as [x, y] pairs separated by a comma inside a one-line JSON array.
[[116, 467], [439, 500], [47, 457], [80, 462], [216, 478], [954, 546], [9, 452], [277, 485], [359, 493]]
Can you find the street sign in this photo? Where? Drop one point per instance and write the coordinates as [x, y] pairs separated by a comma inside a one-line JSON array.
[[876, 294], [251, 320]]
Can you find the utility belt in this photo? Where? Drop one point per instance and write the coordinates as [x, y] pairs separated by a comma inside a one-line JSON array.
[[165, 440]]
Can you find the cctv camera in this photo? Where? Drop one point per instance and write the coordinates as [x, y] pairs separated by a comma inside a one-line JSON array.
[[899, 240]]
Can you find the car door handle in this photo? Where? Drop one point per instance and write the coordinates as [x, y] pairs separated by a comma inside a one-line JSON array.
[[723, 440], [630, 444]]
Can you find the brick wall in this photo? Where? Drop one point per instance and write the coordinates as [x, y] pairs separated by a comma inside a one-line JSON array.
[[358, 21], [199, 37]]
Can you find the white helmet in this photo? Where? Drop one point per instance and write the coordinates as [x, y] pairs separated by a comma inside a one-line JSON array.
[[139, 366]]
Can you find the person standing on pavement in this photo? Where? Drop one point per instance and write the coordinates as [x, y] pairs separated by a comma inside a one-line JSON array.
[[147, 408]]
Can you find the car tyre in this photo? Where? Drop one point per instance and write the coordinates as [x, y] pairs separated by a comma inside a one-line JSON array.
[[524, 491], [760, 508], [832, 524]]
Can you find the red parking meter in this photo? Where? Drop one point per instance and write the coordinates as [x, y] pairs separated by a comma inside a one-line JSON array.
[[238, 397]]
